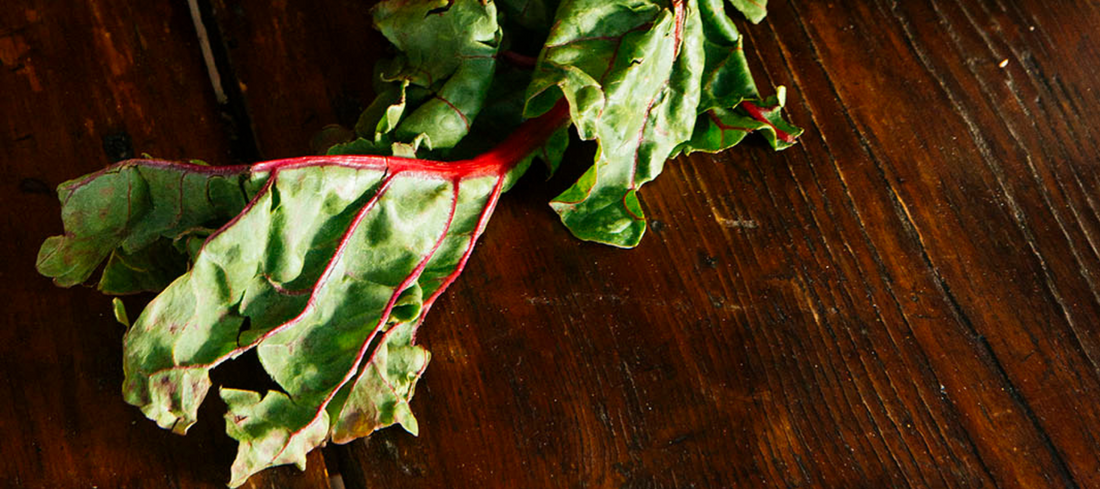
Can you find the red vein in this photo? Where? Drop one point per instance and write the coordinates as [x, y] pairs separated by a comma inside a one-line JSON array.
[[723, 127], [720, 65], [252, 203], [160, 164], [530, 135], [371, 363], [618, 39], [611, 60], [427, 304], [459, 112], [163, 164], [388, 384], [758, 114], [678, 12], [424, 311], [427, 74], [641, 135]]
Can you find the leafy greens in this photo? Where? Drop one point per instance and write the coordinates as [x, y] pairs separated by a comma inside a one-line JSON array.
[[325, 266]]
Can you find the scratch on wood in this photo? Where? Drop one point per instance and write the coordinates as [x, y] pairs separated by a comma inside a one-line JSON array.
[[735, 223], [207, 53]]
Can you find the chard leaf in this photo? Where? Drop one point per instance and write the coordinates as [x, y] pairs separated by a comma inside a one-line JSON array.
[[125, 209], [719, 129], [119, 309], [502, 113], [324, 259], [630, 72], [432, 91], [754, 10], [637, 75], [325, 273], [381, 392]]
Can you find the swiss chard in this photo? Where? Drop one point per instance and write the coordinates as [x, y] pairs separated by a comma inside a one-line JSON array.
[[325, 266]]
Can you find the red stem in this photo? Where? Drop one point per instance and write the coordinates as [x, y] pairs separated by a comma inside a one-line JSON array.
[[527, 138]]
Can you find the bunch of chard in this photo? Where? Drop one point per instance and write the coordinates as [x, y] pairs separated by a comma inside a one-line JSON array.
[[325, 266]]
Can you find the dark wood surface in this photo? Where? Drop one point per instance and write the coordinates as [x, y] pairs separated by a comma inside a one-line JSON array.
[[910, 297]]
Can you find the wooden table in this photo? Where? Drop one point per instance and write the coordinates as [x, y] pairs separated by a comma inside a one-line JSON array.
[[909, 297]]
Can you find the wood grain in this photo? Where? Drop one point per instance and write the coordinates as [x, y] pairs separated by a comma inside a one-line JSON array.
[[907, 298]]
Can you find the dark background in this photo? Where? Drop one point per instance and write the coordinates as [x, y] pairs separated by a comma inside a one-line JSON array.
[[907, 298]]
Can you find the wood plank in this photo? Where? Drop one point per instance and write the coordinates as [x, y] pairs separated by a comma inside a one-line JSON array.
[[970, 192], [84, 85]]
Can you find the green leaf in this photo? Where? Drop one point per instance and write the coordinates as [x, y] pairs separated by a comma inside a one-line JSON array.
[[633, 84], [638, 75], [150, 269], [308, 274], [501, 114], [720, 129], [328, 255], [433, 90], [261, 425], [380, 395], [779, 133], [726, 79], [754, 10], [716, 24], [129, 207]]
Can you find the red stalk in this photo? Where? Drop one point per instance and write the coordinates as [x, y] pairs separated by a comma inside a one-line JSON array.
[[528, 137]]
